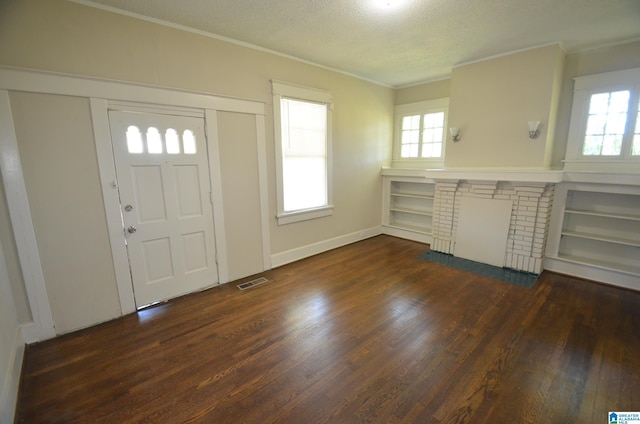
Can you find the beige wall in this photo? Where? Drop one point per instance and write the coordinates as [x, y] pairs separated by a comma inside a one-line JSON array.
[[59, 156], [57, 151], [241, 193], [427, 91], [492, 101]]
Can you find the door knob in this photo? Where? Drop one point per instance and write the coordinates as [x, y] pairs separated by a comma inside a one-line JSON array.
[[132, 229]]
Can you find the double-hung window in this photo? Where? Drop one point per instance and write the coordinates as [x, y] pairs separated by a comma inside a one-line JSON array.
[[419, 134], [605, 122], [302, 128]]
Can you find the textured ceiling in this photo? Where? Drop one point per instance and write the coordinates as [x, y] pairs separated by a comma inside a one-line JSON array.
[[398, 42]]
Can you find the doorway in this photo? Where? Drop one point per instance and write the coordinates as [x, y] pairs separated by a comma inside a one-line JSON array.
[[163, 181]]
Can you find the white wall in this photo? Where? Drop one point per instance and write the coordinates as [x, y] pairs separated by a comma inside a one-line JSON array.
[[11, 347]]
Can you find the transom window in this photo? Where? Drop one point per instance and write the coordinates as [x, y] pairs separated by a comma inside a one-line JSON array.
[[605, 122], [420, 133], [153, 142]]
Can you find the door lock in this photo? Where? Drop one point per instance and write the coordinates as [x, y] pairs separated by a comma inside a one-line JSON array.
[[128, 208]]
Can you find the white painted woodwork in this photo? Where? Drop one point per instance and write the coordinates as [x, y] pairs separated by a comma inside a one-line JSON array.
[[595, 232], [172, 251], [483, 228], [20, 213]]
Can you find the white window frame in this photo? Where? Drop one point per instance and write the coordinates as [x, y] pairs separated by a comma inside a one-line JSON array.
[[419, 108], [584, 88], [285, 90]]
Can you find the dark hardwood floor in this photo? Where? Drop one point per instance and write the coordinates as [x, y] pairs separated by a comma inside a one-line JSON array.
[[364, 333]]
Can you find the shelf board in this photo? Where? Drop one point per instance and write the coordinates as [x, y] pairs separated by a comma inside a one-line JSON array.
[[603, 214], [609, 266], [415, 228], [609, 239], [413, 195], [412, 211]]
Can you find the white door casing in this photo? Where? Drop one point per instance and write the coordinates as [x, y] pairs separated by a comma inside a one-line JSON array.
[[165, 197], [101, 93]]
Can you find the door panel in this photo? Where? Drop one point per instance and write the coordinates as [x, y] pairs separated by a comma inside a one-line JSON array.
[[164, 186]]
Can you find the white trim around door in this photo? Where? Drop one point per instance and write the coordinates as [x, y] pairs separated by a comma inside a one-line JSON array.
[[100, 92]]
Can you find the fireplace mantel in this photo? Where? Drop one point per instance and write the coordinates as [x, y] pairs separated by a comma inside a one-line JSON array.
[[516, 175]]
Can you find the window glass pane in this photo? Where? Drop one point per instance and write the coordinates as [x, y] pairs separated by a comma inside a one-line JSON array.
[[595, 124], [304, 154], [432, 135], [173, 144], [599, 104], [154, 140], [592, 145], [188, 142], [410, 137], [304, 183], [411, 122], [611, 145], [134, 140], [606, 123]]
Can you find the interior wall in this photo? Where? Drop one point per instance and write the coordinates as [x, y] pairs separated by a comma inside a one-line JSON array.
[[66, 37], [491, 103], [16, 279], [58, 155], [10, 349], [427, 91], [241, 193]]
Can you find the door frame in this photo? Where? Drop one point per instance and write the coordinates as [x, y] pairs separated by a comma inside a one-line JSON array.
[[100, 92]]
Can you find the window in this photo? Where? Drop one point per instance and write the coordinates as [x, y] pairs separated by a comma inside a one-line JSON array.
[[605, 122], [302, 130], [155, 143], [420, 133]]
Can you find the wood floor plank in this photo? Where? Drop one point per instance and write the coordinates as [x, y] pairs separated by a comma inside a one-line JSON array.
[[364, 333]]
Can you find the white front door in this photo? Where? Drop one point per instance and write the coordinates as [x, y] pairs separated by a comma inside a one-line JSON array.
[[164, 186]]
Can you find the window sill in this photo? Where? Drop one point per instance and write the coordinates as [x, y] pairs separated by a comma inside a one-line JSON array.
[[417, 163], [603, 165], [304, 215]]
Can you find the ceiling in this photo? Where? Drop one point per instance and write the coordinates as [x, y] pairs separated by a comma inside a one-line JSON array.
[[397, 42]]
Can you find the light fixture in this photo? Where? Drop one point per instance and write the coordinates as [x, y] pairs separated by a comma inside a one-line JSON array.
[[534, 131], [455, 134]]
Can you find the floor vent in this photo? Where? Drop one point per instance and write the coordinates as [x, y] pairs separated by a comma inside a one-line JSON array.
[[252, 283]]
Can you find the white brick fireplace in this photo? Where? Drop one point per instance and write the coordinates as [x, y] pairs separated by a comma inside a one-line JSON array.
[[520, 236], [527, 226]]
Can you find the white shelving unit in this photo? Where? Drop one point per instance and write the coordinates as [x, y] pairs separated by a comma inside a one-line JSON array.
[[408, 207], [595, 233]]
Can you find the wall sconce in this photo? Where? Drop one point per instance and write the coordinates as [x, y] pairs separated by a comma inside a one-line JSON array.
[[534, 131], [455, 134]]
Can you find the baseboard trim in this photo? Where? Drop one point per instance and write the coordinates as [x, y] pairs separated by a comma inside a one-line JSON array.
[[593, 273], [9, 395], [296, 254], [32, 333]]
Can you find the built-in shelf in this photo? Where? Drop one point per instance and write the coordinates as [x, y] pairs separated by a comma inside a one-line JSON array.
[[610, 239], [408, 207], [595, 232], [412, 196], [603, 214], [602, 264], [411, 211]]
